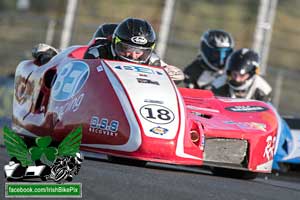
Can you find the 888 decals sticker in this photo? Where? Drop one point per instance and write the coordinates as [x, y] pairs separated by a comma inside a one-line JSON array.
[[157, 114], [70, 80], [104, 126]]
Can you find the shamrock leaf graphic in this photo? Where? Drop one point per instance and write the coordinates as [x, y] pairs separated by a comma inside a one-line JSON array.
[[42, 150]]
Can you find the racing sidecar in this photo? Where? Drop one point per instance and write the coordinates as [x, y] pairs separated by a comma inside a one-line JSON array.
[[136, 112], [287, 152]]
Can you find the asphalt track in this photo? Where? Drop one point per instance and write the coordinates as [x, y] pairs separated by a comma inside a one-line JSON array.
[[104, 180]]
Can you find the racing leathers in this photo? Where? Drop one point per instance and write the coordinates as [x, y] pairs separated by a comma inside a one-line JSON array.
[[101, 48], [198, 75], [258, 90]]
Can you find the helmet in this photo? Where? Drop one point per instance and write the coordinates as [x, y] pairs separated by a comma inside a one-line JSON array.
[[105, 31], [215, 47], [133, 40], [241, 66]]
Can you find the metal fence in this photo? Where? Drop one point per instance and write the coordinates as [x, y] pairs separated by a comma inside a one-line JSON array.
[[20, 30]]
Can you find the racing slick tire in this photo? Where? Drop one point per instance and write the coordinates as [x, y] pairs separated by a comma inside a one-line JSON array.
[[126, 161], [284, 167], [233, 173]]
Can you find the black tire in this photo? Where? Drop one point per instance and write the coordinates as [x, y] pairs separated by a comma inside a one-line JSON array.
[[46, 172], [284, 167], [69, 178], [233, 173], [127, 161]]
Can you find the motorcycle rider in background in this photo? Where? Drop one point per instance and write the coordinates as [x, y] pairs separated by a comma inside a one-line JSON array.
[[42, 53], [241, 78], [104, 31], [133, 40], [215, 47]]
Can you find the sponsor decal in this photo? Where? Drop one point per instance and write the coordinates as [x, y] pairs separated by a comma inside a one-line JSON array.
[[58, 164], [70, 106], [269, 149], [103, 126], [24, 90], [139, 40], [259, 126], [143, 75], [99, 68], [246, 108], [153, 101], [70, 79], [157, 114], [159, 130], [202, 141], [147, 81], [137, 69], [249, 125]]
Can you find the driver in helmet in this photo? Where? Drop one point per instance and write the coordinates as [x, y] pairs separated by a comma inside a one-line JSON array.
[[241, 79], [133, 41], [215, 47]]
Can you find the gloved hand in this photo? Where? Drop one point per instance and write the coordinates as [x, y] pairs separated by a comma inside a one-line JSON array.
[[175, 73]]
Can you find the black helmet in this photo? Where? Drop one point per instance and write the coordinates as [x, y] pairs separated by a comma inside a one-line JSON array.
[[215, 47], [242, 63], [133, 35], [105, 31]]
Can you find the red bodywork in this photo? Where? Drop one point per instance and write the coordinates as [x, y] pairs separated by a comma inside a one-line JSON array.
[[49, 100]]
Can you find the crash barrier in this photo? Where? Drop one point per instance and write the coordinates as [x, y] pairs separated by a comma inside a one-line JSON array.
[[287, 155]]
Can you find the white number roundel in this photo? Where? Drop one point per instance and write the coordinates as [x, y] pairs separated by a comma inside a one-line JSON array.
[[157, 114]]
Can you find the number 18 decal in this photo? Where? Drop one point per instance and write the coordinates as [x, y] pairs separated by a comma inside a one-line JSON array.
[[157, 114]]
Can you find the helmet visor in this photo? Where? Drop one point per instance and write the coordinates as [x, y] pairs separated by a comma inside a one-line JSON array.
[[133, 53], [238, 78], [217, 56]]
